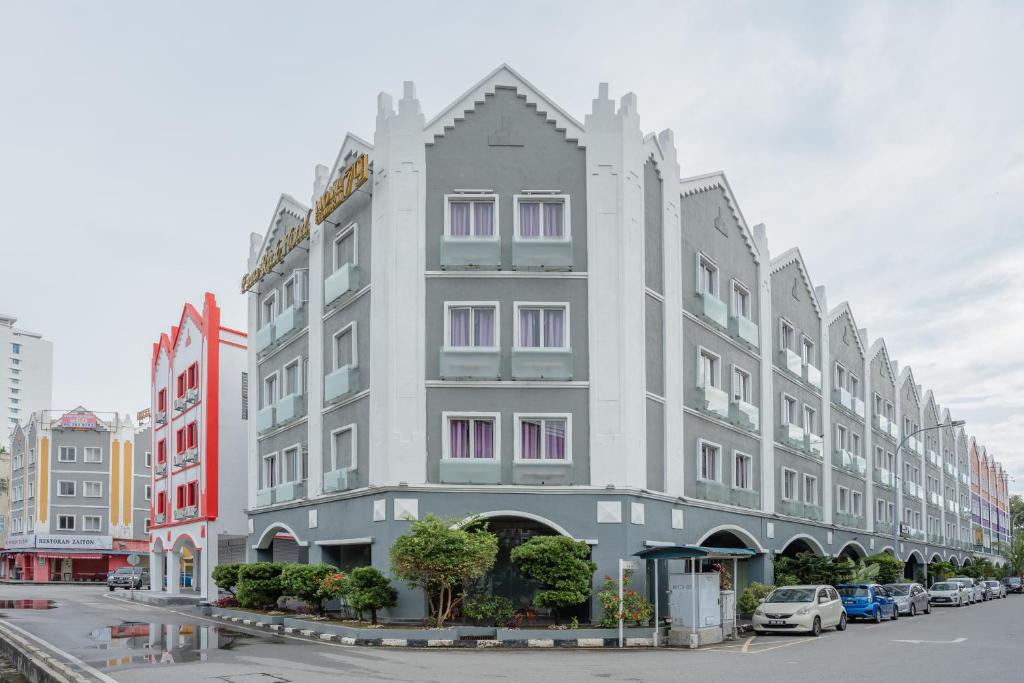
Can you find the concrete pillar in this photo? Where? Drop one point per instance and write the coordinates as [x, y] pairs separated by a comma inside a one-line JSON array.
[[209, 559], [173, 572], [156, 571], [314, 554]]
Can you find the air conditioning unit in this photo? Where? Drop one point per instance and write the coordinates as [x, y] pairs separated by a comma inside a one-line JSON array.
[[192, 455], [192, 395], [179, 404], [161, 417], [160, 517]]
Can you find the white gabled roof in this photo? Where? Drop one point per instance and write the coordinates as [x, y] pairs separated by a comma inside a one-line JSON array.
[[844, 309], [718, 181], [908, 375], [793, 256], [929, 400], [503, 76], [880, 347], [287, 204], [352, 144]]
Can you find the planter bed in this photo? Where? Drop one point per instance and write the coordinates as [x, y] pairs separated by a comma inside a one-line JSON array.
[[240, 613]]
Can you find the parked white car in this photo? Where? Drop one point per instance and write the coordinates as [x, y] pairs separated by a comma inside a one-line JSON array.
[[995, 589], [976, 591], [952, 593], [802, 609]]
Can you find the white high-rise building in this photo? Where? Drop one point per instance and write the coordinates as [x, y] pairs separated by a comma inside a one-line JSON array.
[[26, 373]]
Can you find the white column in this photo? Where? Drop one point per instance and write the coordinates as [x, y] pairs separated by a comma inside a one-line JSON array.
[[315, 390], [898, 498], [397, 303], [768, 350], [208, 561], [173, 572], [615, 252], [942, 478], [672, 236], [869, 435], [826, 409], [156, 570], [255, 241]]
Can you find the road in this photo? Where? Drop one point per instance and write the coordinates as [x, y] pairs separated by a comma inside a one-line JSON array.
[[132, 642]]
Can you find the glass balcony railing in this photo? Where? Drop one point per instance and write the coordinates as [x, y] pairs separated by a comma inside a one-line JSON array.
[[894, 431], [290, 321], [912, 489], [288, 491], [470, 362], [964, 479], [812, 376], [936, 539], [542, 364], [744, 329], [813, 512], [713, 400], [716, 492], [933, 458], [744, 415], [952, 506], [849, 462], [914, 444], [849, 519], [884, 477], [858, 407], [815, 445], [470, 252], [712, 308], [470, 471], [339, 480], [289, 409], [342, 281], [264, 497], [265, 419], [546, 254], [842, 397], [792, 362], [793, 508], [935, 499], [264, 338], [884, 528], [340, 383], [791, 435]]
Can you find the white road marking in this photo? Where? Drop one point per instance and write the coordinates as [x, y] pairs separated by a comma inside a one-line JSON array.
[[933, 642], [66, 655]]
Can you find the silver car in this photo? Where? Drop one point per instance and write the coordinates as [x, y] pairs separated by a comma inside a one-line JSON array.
[[911, 598], [975, 591], [995, 589]]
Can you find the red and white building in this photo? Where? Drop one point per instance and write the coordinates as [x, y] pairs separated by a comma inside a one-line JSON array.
[[198, 406]]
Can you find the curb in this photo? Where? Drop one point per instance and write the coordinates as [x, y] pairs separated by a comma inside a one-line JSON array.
[[37, 663]]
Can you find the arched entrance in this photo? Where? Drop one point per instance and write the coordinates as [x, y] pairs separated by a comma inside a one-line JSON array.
[[852, 551], [954, 560], [913, 568], [802, 543], [747, 570], [278, 543], [184, 564]]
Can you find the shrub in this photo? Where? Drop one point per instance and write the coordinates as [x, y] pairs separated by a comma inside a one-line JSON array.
[[786, 580], [227, 601], [226, 576], [488, 609], [259, 585], [305, 581], [752, 596], [368, 589], [635, 608], [890, 569], [563, 567], [440, 557], [809, 568]]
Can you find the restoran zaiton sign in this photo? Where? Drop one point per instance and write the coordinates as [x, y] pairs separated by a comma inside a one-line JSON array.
[[58, 541]]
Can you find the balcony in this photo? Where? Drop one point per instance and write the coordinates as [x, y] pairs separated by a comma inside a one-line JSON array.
[[936, 539], [848, 519], [949, 469], [191, 455], [884, 477], [264, 497], [160, 518], [845, 460], [793, 508], [179, 404], [912, 489], [339, 480], [265, 419], [813, 512], [744, 415], [812, 376], [914, 444], [744, 329], [161, 417], [542, 364], [289, 408], [470, 252], [952, 507], [187, 512], [858, 407], [717, 492], [160, 469], [554, 472], [713, 400], [341, 282], [935, 499], [292, 490], [965, 511], [842, 397], [179, 459], [933, 458], [882, 424], [264, 338], [544, 254], [815, 445], [290, 321], [192, 395], [792, 362], [470, 471], [884, 528], [469, 362], [791, 435], [964, 479], [340, 383], [894, 431], [710, 307]]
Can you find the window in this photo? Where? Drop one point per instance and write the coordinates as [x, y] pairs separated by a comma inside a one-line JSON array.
[[842, 499], [91, 523], [149, 458], [841, 440], [710, 455], [179, 441], [740, 300], [471, 325], [789, 410], [707, 276], [92, 454], [193, 376], [15, 348], [92, 489], [840, 376], [191, 435], [149, 492], [857, 503], [890, 411], [270, 389], [192, 493], [710, 366], [854, 385], [543, 438], [66, 522], [344, 346], [292, 386], [807, 351], [880, 511], [179, 386], [344, 249], [65, 488], [810, 490], [741, 385], [293, 460], [66, 454], [788, 484], [146, 525], [343, 448], [742, 472], [31, 489], [179, 496], [855, 443], [810, 420], [542, 326], [787, 336], [542, 217], [161, 400], [161, 503], [471, 216], [31, 456], [472, 436], [161, 451]]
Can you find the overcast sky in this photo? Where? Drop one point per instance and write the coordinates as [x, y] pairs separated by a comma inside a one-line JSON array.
[[141, 143]]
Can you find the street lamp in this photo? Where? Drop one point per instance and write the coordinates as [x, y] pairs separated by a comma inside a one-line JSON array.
[[896, 492]]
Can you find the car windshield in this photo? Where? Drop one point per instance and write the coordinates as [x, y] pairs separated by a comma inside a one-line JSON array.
[[792, 595], [853, 591], [992, 583], [948, 586], [897, 589], [124, 570], [1014, 581]]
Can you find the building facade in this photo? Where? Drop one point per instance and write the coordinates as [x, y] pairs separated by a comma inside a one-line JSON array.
[[508, 314], [26, 374], [198, 412], [78, 499]]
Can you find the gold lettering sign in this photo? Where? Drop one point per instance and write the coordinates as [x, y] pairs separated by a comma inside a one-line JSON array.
[[342, 188], [276, 254]]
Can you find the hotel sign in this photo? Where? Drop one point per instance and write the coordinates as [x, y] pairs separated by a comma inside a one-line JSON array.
[[276, 254], [342, 188]]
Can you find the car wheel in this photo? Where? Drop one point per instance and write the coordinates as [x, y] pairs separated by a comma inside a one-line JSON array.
[[928, 608], [110, 588], [913, 610], [816, 627], [895, 613], [841, 626], [878, 615], [760, 633]]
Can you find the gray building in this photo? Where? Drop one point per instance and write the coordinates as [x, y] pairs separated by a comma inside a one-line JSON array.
[[509, 314]]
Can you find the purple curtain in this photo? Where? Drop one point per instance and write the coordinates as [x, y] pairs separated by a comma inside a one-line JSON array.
[[530, 439], [554, 439], [483, 439], [554, 328], [484, 323], [459, 438], [529, 327], [483, 219], [553, 220], [459, 327], [459, 212], [529, 219]]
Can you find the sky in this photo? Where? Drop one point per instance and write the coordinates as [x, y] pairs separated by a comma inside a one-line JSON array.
[[141, 143]]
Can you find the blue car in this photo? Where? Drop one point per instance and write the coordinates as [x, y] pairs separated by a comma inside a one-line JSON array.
[[868, 601]]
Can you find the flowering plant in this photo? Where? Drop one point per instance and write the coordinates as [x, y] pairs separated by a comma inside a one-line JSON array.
[[634, 608]]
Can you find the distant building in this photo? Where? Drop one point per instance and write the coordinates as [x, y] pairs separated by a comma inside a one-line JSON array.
[[5, 496], [26, 374], [78, 490]]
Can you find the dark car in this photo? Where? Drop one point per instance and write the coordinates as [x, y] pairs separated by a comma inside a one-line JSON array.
[[128, 577], [1013, 584], [867, 601]]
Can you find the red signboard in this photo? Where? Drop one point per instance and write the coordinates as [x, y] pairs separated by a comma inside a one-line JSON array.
[[79, 421]]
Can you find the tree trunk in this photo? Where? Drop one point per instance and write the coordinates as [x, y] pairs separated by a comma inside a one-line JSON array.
[[373, 615]]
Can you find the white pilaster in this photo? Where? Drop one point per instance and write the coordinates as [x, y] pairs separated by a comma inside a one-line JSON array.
[[898, 498], [208, 560], [156, 570], [869, 435], [255, 241], [615, 248], [826, 410], [397, 315], [315, 390], [173, 565], [768, 350], [672, 239]]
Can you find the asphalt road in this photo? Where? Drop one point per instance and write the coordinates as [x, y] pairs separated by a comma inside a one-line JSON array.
[[132, 642]]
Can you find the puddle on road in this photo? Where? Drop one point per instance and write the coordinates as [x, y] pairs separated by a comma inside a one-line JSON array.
[[136, 642], [28, 604]]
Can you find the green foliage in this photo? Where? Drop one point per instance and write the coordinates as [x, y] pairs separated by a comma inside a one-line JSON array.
[[226, 576], [1016, 514], [487, 609], [939, 570], [785, 579], [809, 568], [752, 596], [890, 569], [864, 573], [1015, 554], [259, 585], [305, 582], [368, 589], [562, 565], [635, 609], [980, 569], [440, 557]]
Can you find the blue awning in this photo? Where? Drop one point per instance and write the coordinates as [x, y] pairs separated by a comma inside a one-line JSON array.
[[688, 552]]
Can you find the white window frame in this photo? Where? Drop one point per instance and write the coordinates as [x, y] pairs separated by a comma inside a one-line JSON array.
[[841, 429], [838, 370], [85, 489], [784, 397], [814, 414], [85, 523], [449, 305], [61, 450], [853, 383], [735, 285], [542, 198], [842, 502], [297, 362], [276, 469], [704, 258], [736, 369], [855, 441], [61, 527], [472, 197], [717, 380], [149, 458], [518, 435], [354, 326], [718, 460], [263, 389], [149, 492], [352, 466], [805, 344], [736, 455], [783, 325], [813, 488], [516, 306], [297, 447], [856, 503], [796, 485], [74, 488], [446, 435], [95, 449], [275, 303], [353, 229]]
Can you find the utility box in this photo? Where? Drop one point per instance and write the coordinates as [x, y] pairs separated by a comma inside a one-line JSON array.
[[694, 605]]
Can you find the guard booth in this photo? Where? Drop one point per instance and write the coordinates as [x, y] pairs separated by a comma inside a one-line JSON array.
[[700, 613]]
